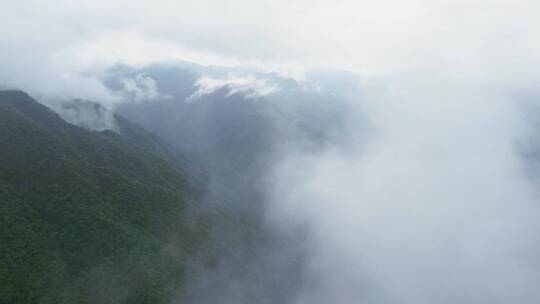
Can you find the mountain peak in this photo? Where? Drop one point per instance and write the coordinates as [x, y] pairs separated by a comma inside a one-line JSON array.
[[13, 96]]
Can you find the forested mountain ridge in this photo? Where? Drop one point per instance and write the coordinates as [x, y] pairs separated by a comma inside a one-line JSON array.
[[237, 124], [88, 217], [158, 216]]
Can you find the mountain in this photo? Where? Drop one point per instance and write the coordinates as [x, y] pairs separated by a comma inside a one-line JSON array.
[[230, 119], [162, 201], [235, 123], [88, 216]]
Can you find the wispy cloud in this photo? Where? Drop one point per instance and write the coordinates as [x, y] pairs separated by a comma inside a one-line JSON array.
[[140, 88], [248, 86]]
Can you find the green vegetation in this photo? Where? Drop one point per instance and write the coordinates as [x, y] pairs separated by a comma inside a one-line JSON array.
[[89, 217]]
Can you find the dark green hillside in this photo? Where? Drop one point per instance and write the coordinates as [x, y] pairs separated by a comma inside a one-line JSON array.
[[87, 217]]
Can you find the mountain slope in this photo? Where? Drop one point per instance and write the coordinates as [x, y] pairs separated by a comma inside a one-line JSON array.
[[236, 136], [87, 217]]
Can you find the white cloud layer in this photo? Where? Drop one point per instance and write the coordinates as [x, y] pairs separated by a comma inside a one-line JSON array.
[[45, 43], [140, 88], [433, 205], [248, 86]]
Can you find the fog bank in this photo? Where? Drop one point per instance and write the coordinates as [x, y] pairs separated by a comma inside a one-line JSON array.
[[432, 205]]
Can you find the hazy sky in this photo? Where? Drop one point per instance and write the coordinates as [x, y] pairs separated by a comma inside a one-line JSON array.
[[45, 43]]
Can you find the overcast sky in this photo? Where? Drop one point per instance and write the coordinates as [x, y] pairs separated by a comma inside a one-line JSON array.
[[44, 43]]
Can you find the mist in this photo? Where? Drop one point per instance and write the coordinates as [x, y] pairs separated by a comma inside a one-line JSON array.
[[429, 204]]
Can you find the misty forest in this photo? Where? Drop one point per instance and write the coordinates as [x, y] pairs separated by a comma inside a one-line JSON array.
[[270, 152]]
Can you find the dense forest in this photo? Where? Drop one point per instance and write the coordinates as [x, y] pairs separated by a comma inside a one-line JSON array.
[[90, 217]]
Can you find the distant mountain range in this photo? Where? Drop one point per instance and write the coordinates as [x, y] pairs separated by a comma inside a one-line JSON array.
[[161, 200]]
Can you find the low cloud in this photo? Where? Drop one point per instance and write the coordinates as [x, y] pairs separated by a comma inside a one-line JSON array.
[[87, 114], [248, 86], [433, 206], [140, 88]]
